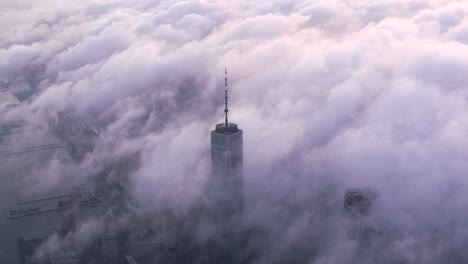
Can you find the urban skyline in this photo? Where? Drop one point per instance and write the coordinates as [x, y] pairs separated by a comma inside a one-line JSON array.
[[337, 136]]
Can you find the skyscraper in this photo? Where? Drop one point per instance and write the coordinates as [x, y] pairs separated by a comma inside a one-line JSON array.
[[227, 159]]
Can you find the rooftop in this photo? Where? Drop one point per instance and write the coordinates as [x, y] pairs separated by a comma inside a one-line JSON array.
[[359, 199], [230, 129]]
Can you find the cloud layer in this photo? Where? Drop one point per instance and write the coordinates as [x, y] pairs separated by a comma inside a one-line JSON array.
[[330, 95]]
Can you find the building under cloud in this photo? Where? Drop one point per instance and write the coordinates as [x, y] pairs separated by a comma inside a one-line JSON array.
[[329, 95]]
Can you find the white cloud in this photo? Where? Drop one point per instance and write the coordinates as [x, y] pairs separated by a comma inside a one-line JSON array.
[[329, 93]]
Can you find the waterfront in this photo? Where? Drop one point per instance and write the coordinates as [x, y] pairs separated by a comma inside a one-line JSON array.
[[16, 179]]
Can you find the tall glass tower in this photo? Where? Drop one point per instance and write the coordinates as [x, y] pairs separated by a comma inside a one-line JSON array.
[[227, 159]]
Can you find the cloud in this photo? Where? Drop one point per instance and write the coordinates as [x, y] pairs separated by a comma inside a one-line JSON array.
[[330, 95]]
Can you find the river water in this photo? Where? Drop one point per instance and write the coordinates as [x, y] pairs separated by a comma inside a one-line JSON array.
[[17, 178]]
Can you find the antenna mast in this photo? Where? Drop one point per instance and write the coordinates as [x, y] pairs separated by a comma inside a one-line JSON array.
[[226, 123]]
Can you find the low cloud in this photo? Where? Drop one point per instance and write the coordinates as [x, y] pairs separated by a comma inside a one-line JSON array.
[[330, 95]]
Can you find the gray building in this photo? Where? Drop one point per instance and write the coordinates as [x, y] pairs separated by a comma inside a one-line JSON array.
[[227, 160], [359, 200]]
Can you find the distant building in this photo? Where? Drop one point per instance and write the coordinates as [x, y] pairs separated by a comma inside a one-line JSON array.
[[64, 257], [227, 163], [148, 244], [76, 134], [359, 200], [109, 248]]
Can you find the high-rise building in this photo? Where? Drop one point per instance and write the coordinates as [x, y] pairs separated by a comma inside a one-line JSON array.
[[359, 200], [227, 159]]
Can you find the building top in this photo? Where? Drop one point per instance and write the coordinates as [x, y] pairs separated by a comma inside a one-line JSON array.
[[360, 194], [226, 127], [231, 128], [359, 199]]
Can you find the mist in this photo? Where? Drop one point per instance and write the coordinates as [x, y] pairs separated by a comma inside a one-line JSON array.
[[330, 95]]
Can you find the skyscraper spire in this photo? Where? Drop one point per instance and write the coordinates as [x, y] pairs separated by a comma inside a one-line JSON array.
[[226, 122], [227, 161]]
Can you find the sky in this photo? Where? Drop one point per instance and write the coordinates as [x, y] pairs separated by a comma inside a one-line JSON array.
[[330, 95]]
